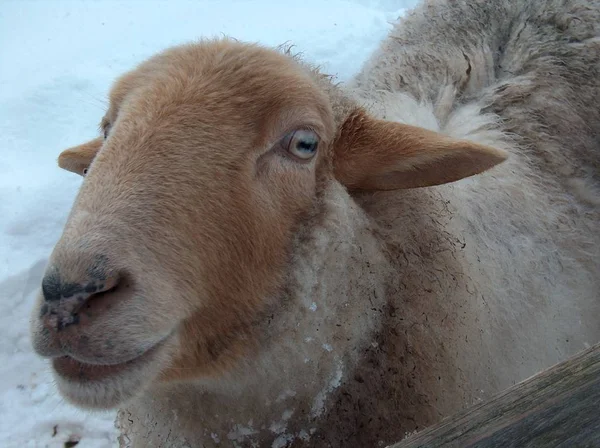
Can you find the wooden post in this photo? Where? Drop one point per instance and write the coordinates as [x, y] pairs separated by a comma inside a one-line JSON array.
[[559, 407]]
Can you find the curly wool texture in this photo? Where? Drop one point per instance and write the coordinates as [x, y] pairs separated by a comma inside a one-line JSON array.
[[401, 308]]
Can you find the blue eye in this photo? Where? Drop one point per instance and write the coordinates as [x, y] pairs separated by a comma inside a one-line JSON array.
[[302, 144]]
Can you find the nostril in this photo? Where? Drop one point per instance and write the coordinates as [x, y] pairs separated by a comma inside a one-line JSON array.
[[54, 290], [103, 290], [64, 300]]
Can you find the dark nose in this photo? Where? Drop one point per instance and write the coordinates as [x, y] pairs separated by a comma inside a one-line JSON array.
[[63, 299]]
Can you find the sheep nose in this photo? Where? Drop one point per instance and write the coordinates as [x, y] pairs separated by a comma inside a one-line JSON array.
[[63, 299]]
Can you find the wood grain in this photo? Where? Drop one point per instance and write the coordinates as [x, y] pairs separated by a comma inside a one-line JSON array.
[[559, 407]]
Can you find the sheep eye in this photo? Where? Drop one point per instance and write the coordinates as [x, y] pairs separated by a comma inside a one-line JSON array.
[[105, 133], [301, 144], [85, 170]]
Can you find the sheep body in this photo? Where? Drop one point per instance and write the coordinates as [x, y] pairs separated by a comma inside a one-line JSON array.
[[403, 307]]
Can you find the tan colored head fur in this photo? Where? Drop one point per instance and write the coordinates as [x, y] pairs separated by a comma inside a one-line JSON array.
[[182, 228]]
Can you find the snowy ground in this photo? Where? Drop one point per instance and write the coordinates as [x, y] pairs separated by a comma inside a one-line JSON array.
[[57, 60]]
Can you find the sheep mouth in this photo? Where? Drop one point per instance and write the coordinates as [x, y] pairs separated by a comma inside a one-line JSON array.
[[73, 370]]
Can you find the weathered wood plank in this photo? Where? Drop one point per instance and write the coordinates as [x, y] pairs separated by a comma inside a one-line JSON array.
[[559, 407]]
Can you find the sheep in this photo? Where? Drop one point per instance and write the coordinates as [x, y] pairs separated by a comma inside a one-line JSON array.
[[259, 256]]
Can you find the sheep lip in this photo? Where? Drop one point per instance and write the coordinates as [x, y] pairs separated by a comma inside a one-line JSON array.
[[72, 369]]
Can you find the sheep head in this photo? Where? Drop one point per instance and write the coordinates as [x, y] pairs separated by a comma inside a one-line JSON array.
[[213, 156]]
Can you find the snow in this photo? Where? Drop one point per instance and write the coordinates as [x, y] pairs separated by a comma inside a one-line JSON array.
[[57, 61]]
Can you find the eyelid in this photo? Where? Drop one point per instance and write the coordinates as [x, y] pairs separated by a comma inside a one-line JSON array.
[[305, 127], [278, 138]]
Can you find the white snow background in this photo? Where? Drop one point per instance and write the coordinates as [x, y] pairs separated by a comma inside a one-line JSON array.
[[57, 61]]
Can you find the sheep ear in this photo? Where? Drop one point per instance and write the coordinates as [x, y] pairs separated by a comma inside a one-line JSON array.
[[371, 154], [78, 158]]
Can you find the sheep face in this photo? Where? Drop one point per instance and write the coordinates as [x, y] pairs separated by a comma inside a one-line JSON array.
[[213, 157]]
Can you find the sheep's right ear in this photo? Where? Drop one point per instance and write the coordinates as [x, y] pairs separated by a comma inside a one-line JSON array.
[[78, 158], [371, 154]]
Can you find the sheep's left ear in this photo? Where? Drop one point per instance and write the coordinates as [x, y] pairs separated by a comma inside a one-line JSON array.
[[78, 158], [371, 154]]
